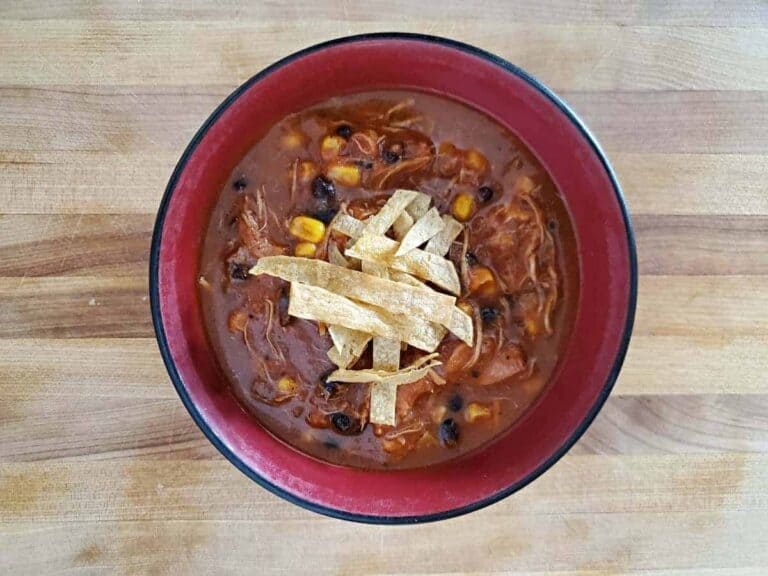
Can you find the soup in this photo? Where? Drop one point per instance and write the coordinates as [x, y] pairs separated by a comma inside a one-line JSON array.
[[388, 280]]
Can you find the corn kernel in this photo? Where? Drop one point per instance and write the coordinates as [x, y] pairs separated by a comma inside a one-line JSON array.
[[476, 411], [286, 385], [293, 140], [531, 326], [463, 207], [344, 174], [331, 147], [305, 249], [306, 171], [474, 160], [307, 229], [482, 281]]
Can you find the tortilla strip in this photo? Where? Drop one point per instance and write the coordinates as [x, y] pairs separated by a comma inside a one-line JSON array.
[[395, 297], [405, 278], [335, 256], [401, 226], [320, 305], [421, 264], [375, 269], [386, 357], [441, 243], [419, 205], [424, 229], [461, 325], [382, 221], [412, 373], [348, 225]]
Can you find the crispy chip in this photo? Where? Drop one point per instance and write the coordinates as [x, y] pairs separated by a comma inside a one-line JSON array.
[[395, 297], [406, 278], [386, 357], [421, 264], [419, 205], [441, 243], [375, 269], [320, 305], [335, 256], [348, 225], [461, 325], [412, 373], [401, 226], [348, 342], [382, 221], [424, 229]]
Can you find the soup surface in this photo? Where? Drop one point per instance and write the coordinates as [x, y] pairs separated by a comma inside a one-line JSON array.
[[512, 251]]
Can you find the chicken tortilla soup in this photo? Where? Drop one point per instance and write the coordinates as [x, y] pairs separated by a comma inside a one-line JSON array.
[[388, 279]]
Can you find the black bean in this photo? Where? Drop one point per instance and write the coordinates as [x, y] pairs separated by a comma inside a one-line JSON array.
[[489, 313], [485, 193], [240, 184], [239, 272], [391, 157], [448, 433], [551, 224], [345, 131], [366, 164], [345, 424], [323, 189], [455, 403], [471, 258], [325, 215]]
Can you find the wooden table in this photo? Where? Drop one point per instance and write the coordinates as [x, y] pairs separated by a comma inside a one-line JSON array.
[[103, 471]]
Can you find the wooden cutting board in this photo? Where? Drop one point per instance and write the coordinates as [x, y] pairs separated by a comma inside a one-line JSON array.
[[103, 471]]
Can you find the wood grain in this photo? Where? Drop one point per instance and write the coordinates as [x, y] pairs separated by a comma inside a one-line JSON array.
[[590, 58], [622, 12], [102, 470]]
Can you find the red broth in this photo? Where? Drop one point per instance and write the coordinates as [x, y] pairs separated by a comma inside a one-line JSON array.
[[519, 275]]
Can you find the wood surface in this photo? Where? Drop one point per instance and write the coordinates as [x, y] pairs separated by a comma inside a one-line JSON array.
[[103, 472]]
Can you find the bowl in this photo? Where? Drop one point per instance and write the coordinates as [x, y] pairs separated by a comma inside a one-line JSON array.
[[590, 363]]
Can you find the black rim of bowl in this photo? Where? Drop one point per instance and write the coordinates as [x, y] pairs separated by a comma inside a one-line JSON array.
[[231, 456]]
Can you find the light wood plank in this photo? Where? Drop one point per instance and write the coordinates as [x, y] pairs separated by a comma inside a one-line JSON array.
[[113, 245], [696, 245], [567, 57], [73, 182], [183, 489], [622, 12], [614, 542], [74, 307], [679, 424]]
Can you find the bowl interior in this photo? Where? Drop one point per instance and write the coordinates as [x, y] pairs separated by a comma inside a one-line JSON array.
[[607, 269]]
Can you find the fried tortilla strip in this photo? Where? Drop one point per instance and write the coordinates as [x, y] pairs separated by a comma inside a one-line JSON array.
[[441, 243], [419, 205], [421, 264], [425, 228], [320, 305], [348, 345], [382, 221], [348, 225], [461, 325], [412, 373], [401, 226], [386, 357], [393, 296], [335, 256]]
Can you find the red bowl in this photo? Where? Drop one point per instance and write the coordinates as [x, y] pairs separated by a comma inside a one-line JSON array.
[[577, 165]]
